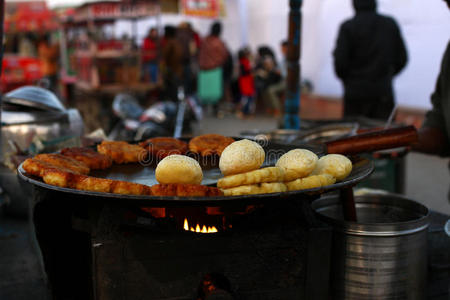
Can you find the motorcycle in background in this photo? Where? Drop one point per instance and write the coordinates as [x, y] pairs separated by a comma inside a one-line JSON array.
[[164, 118]]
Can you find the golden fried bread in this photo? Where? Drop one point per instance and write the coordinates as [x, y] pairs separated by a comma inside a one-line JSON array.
[[161, 147], [59, 160], [38, 167], [269, 174], [337, 165], [122, 152], [240, 157], [129, 188], [60, 178], [88, 156], [88, 183], [92, 184], [209, 144], [262, 188], [179, 169], [185, 190], [310, 182], [297, 163]]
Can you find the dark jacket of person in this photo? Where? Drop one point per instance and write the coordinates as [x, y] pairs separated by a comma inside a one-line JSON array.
[[439, 116], [369, 52]]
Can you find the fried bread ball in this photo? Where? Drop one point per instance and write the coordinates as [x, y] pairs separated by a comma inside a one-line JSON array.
[[337, 165], [178, 169], [297, 163], [240, 157]]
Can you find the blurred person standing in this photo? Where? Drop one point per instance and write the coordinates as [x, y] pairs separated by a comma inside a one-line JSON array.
[[246, 83], [49, 55], [434, 135], [171, 63], [212, 56], [369, 52], [274, 90], [277, 84], [150, 56], [227, 71], [265, 64], [186, 38]]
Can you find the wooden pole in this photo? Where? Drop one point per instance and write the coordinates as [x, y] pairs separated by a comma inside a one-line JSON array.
[[292, 101], [2, 18]]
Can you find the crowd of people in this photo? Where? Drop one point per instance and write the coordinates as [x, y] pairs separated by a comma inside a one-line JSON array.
[[206, 69]]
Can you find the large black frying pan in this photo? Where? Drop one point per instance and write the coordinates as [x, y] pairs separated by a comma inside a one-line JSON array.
[[145, 175]]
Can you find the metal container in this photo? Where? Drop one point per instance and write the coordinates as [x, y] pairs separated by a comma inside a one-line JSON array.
[[384, 254], [33, 119]]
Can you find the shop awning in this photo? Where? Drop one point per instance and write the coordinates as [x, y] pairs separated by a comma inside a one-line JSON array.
[[30, 16]]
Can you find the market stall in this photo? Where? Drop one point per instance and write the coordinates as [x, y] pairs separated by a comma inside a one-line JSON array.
[[96, 64], [100, 62], [25, 22]]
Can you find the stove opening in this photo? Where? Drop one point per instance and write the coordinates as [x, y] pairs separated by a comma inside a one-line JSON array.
[[201, 220], [199, 228]]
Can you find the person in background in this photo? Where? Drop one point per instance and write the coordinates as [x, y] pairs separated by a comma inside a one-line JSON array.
[[227, 70], [49, 55], [27, 45], [273, 91], [150, 56], [185, 37], [266, 74], [369, 52], [171, 63], [434, 135], [194, 49], [246, 83], [212, 56]]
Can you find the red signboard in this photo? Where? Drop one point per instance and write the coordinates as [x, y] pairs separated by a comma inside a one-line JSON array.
[[19, 71], [201, 8], [104, 11], [30, 16]]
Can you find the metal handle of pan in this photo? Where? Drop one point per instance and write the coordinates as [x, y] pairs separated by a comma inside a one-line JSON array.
[[374, 141]]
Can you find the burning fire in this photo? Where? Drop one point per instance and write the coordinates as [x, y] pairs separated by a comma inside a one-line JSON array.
[[198, 228]]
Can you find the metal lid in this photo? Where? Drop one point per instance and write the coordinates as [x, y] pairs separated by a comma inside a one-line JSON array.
[[30, 117], [35, 97]]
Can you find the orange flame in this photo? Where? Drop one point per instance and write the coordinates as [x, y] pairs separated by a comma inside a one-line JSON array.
[[199, 229]]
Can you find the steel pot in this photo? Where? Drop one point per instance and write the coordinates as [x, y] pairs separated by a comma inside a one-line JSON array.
[[381, 256]]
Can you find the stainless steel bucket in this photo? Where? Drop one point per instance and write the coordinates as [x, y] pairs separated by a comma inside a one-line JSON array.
[[384, 254]]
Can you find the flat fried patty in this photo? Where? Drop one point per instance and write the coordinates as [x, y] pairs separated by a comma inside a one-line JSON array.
[[252, 189], [209, 144], [37, 167], [90, 157], [88, 183], [269, 174], [161, 147], [59, 160], [185, 190], [122, 152]]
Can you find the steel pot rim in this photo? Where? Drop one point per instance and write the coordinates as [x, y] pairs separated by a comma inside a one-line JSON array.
[[370, 228]]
